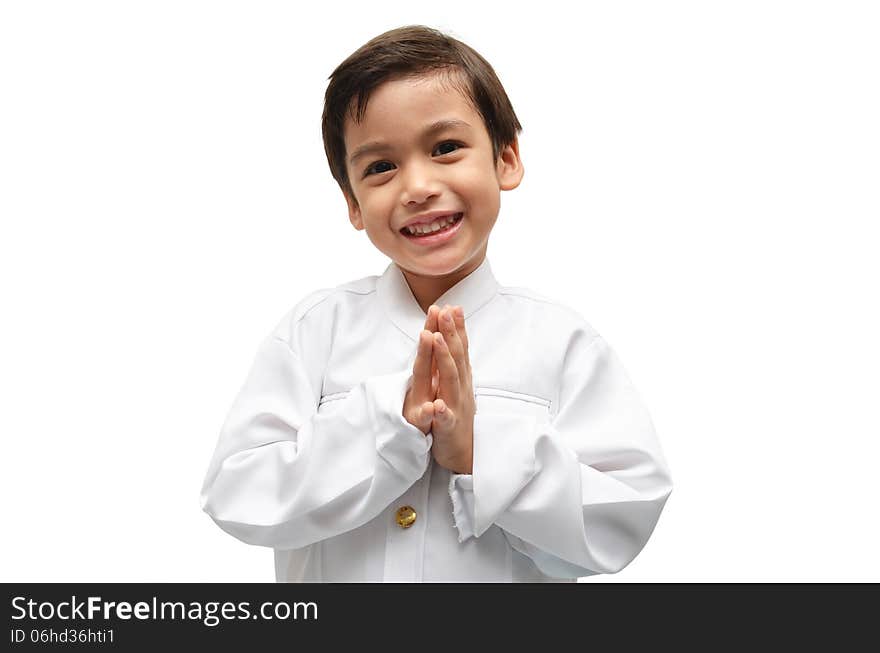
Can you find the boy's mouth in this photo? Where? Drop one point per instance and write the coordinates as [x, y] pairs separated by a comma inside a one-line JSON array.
[[437, 227]]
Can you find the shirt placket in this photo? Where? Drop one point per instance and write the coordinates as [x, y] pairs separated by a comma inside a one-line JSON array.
[[405, 532]]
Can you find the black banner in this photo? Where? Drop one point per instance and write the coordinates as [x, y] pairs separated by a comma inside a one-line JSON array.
[[145, 616]]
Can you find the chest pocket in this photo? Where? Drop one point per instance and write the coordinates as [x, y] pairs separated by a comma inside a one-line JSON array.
[[496, 400]]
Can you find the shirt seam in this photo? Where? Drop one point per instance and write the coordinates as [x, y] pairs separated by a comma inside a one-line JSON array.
[[286, 344]]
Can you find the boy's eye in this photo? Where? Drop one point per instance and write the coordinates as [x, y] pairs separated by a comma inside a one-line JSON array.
[[373, 168], [445, 144]]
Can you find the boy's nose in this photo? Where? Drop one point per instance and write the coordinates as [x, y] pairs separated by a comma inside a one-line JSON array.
[[419, 185]]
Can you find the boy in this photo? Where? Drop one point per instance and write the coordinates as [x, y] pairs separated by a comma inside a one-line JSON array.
[[431, 425]]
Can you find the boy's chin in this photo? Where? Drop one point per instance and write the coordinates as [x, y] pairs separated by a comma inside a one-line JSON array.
[[434, 264]]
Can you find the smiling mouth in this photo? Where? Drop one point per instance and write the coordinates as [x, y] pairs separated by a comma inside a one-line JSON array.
[[448, 226]]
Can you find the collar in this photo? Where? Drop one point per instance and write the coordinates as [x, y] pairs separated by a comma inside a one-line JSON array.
[[471, 293]]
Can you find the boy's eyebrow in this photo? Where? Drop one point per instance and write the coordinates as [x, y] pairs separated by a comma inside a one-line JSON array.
[[433, 128]]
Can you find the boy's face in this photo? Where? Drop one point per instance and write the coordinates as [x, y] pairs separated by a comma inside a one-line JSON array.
[[418, 171]]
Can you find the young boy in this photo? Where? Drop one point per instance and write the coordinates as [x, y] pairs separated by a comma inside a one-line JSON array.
[[429, 424]]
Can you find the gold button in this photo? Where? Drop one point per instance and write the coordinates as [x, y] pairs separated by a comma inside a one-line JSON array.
[[406, 516]]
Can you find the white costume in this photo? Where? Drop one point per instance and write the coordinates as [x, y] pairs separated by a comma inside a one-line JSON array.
[[316, 460]]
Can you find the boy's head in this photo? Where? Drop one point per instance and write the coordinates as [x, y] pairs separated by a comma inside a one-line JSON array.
[[416, 124]]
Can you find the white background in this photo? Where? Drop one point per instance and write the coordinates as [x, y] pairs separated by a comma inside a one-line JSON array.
[[701, 185]]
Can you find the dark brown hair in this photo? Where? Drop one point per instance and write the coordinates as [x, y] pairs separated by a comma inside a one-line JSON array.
[[407, 52]]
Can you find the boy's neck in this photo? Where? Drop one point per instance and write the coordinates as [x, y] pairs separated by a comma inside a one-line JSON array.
[[427, 290]]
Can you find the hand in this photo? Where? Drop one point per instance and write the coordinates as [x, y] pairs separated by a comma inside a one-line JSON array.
[[454, 408], [418, 405]]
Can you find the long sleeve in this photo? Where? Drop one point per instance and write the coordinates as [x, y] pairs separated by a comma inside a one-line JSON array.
[[579, 494], [286, 476]]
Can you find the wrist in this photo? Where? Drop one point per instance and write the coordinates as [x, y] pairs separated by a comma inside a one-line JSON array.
[[464, 466]]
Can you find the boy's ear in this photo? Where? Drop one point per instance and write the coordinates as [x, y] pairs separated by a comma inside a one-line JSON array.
[[509, 168], [354, 212]]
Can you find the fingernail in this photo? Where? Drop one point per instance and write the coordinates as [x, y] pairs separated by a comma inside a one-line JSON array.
[[447, 317], [438, 338], [459, 311]]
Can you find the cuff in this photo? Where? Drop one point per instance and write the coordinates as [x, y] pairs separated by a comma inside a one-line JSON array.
[[402, 445], [461, 491], [504, 463]]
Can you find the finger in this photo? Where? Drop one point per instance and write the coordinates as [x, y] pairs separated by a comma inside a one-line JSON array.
[[426, 416], [458, 317], [456, 347], [443, 416], [422, 368], [431, 318], [431, 324], [449, 380]]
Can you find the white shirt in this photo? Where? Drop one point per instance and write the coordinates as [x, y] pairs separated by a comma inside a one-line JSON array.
[[315, 457]]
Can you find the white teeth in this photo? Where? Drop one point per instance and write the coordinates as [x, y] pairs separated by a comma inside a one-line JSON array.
[[430, 228]]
